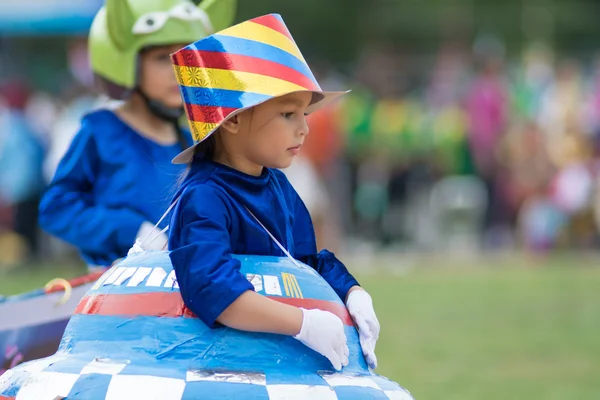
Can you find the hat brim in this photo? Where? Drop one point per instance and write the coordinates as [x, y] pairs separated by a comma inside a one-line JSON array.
[[186, 156]]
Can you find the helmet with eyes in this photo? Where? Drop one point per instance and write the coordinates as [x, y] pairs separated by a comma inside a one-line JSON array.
[[122, 28]]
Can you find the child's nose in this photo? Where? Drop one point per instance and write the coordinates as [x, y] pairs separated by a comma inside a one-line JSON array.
[[304, 129]]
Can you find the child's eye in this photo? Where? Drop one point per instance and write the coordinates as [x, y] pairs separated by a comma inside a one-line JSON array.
[[287, 114], [163, 57]]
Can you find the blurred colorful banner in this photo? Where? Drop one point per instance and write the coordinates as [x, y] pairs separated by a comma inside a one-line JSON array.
[[32, 17]]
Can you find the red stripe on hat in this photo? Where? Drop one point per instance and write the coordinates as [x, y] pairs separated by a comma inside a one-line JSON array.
[[212, 114], [271, 22], [170, 304], [7, 398], [237, 62]]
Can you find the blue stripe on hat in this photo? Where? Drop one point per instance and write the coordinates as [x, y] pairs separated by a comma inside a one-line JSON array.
[[245, 47], [221, 97]]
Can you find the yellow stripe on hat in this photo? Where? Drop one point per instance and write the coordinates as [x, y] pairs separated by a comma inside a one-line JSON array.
[[212, 78], [201, 129], [263, 34]]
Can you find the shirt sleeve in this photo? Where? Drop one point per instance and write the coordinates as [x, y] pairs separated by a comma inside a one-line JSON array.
[[68, 209], [324, 262], [209, 278]]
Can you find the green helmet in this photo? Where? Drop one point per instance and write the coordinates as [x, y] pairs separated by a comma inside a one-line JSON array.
[[122, 28]]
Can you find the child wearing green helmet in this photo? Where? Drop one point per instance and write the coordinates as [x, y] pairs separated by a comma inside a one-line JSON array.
[[114, 182]]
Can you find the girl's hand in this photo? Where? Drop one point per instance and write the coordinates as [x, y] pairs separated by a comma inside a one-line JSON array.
[[360, 307], [323, 332]]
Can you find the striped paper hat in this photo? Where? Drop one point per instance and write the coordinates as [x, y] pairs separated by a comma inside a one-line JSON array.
[[239, 68]]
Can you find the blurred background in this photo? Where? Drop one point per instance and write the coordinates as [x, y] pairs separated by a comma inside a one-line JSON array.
[[460, 179]]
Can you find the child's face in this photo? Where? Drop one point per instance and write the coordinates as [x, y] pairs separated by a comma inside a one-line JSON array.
[[157, 79], [272, 133]]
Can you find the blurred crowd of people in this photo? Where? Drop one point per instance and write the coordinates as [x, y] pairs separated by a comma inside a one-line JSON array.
[[470, 149], [463, 149]]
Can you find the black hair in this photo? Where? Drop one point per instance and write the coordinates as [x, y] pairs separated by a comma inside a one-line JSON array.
[[206, 148], [203, 150]]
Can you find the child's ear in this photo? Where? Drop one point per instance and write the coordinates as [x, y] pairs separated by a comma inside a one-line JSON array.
[[232, 124]]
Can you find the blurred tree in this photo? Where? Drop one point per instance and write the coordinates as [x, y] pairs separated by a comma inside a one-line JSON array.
[[341, 28]]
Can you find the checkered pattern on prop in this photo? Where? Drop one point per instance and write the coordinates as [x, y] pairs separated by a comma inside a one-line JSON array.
[[112, 380]]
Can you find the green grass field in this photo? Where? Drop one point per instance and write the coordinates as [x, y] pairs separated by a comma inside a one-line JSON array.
[[514, 329]]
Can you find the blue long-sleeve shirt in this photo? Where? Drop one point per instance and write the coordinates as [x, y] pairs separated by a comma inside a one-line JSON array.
[[211, 222], [108, 183]]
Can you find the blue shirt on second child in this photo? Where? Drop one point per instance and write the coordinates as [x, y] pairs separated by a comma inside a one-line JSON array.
[[109, 182]]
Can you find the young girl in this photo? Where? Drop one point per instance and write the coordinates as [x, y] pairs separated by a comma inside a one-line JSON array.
[[115, 180], [247, 90]]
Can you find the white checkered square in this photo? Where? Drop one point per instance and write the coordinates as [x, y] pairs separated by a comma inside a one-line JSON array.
[[247, 378], [398, 395], [41, 364], [47, 386], [125, 387], [103, 366], [349, 380], [4, 379], [300, 392]]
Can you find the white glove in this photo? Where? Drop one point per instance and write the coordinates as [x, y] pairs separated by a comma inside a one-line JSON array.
[[360, 307], [323, 332], [153, 239]]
